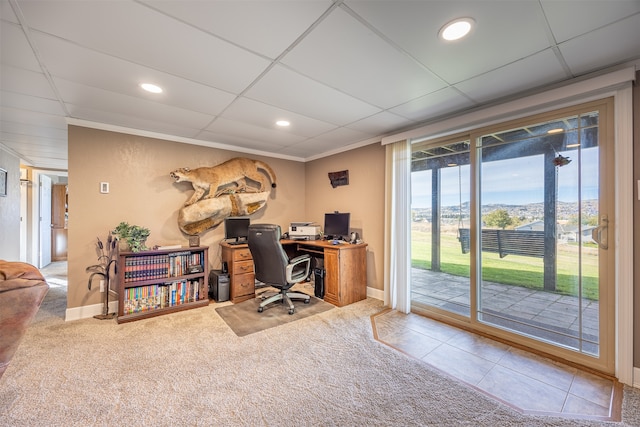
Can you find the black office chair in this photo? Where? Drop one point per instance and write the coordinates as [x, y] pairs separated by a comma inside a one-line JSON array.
[[273, 267]]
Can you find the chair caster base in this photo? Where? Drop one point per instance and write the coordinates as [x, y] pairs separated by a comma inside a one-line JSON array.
[[260, 309]]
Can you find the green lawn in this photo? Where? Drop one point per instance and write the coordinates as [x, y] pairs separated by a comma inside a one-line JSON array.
[[512, 269]]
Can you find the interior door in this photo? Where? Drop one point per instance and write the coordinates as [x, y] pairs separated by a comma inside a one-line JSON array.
[[59, 222], [45, 221], [23, 222]]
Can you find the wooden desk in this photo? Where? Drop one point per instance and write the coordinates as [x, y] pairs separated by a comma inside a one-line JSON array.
[[242, 285], [345, 265]]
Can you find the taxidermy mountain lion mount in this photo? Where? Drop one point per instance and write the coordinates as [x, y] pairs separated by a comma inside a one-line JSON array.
[[236, 187], [226, 178]]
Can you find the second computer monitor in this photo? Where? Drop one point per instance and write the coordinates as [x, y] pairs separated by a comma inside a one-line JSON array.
[[236, 229], [336, 225]]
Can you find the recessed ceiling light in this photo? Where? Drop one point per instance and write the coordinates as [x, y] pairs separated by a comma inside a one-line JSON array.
[[456, 29], [149, 87], [283, 123]]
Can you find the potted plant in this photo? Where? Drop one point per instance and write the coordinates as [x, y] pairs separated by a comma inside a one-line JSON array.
[[134, 235]]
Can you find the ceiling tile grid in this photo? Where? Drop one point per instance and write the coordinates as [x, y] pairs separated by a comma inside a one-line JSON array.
[[344, 72]]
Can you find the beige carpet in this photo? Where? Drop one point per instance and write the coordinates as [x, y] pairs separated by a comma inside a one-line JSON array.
[[244, 319], [190, 369]]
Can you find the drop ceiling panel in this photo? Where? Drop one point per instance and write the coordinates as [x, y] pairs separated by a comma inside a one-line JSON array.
[[377, 124], [116, 119], [257, 134], [90, 68], [325, 143], [568, 19], [611, 44], [20, 101], [6, 12], [25, 82], [77, 95], [56, 134], [32, 118], [501, 34], [291, 91], [136, 33], [435, 104], [345, 73], [346, 55], [265, 27], [340, 137], [233, 133], [516, 77], [265, 116], [15, 48], [34, 148]]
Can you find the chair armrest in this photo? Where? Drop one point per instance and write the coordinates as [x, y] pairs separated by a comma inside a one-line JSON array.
[[298, 268], [299, 259]]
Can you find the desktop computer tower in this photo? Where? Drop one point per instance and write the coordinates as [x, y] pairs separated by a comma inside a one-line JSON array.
[[318, 279], [219, 285]]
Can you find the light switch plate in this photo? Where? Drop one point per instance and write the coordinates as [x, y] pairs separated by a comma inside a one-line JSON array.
[[104, 187]]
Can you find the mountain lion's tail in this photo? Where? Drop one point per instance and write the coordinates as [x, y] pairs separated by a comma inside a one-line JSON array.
[[265, 167]]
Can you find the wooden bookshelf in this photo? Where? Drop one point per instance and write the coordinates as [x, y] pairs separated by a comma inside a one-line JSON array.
[[153, 283]]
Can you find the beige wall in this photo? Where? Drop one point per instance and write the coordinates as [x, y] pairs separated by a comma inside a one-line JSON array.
[[142, 193], [363, 198], [10, 209]]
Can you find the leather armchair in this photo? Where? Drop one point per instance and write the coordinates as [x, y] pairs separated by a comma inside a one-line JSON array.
[[273, 267], [22, 289]]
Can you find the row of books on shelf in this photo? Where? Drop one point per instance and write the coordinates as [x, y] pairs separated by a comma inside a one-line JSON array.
[[161, 295], [160, 266]]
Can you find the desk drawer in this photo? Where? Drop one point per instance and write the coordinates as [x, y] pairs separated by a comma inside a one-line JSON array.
[[242, 267], [243, 285], [242, 255]]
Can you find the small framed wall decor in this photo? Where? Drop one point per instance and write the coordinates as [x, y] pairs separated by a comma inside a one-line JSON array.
[[3, 183], [339, 178]]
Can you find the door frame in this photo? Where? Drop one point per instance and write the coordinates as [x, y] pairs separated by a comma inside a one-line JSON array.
[[35, 209], [618, 84]]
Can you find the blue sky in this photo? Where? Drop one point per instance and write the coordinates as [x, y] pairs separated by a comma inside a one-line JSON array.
[[515, 181]]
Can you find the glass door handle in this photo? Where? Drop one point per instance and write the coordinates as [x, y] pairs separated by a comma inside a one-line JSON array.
[[600, 234]]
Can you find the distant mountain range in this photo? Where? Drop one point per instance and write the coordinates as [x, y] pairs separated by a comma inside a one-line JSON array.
[[528, 212]]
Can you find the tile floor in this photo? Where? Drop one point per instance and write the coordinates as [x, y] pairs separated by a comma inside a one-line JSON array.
[[527, 382]]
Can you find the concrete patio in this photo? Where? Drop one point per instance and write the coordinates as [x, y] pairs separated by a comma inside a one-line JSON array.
[[542, 314]]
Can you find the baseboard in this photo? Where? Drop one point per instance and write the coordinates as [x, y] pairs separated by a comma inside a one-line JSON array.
[[87, 311], [84, 312], [636, 377], [375, 293]]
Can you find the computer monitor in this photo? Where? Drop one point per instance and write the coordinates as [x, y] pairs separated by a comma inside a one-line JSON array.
[[336, 225], [236, 228]]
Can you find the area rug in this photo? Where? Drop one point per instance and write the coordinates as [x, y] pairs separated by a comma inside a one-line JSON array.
[[243, 318]]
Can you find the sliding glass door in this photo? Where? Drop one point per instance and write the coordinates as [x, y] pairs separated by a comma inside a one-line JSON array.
[[440, 214], [510, 232]]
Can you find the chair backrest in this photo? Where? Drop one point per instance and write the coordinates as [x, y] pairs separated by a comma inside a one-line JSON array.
[[269, 258]]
